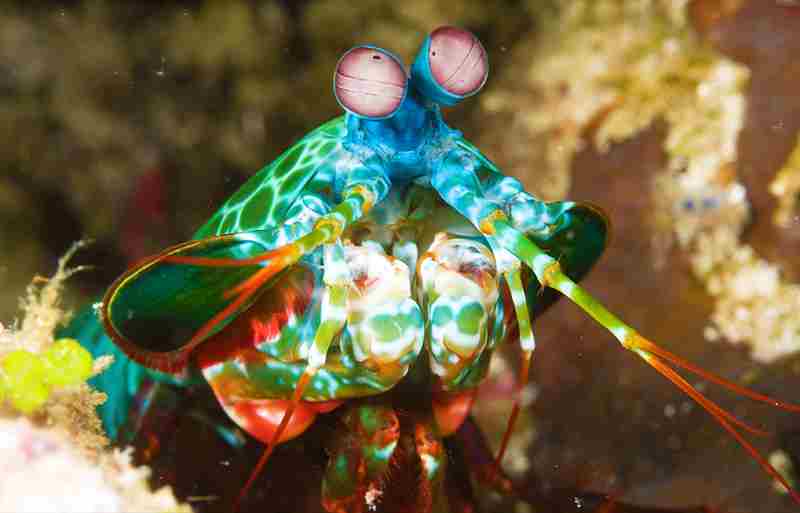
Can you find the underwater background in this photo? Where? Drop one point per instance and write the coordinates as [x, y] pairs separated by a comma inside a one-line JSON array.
[[129, 123]]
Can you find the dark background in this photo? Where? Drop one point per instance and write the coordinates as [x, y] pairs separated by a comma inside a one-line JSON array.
[[128, 123]]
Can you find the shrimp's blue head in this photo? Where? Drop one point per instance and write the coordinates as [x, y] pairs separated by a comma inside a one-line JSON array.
[[450, 66]]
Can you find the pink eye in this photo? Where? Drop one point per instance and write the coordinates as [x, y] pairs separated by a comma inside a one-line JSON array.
[[457, 60], [369, 82]]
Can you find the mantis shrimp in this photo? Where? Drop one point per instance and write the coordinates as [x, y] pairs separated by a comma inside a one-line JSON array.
[[381, 254]]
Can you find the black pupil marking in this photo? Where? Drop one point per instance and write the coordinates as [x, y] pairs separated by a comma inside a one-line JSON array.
[[376, 57], [433, 53]]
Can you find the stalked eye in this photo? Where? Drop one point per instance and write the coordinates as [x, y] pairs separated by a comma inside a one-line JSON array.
[[458, 61], [369, 82]]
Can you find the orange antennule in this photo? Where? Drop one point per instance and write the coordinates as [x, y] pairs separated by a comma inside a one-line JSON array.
[[281, 254], [653, 354], [302, 383], [276, 255], [650, 347], [243, 291]]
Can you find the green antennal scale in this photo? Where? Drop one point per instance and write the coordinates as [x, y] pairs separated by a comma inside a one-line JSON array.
[[381, 252]]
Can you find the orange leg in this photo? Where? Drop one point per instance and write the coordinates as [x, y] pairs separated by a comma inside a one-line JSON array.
[[433, 459]]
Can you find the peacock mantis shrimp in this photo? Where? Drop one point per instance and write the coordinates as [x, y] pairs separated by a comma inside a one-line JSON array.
[[382, 252]]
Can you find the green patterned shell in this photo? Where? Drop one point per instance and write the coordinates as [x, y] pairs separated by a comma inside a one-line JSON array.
[[264, 200]]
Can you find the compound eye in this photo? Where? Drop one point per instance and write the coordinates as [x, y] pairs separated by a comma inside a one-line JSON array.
[[457, 60], [370, 82]]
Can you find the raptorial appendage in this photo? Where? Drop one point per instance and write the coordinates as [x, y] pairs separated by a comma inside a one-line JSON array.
[[353, 322], [384, 324], [459, 291]]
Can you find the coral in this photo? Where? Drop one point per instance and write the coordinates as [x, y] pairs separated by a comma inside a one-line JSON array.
[[786, 187], [56, 458], [755, 305], [69, 408], [42, 471], [612, 64]]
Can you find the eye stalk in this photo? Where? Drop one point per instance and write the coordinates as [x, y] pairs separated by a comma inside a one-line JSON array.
[[370, 82], [451, 65]]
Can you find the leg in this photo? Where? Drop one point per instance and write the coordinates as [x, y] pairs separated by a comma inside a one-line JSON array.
[[433, 459], [359, 458], [479, 458], [527, 344]]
